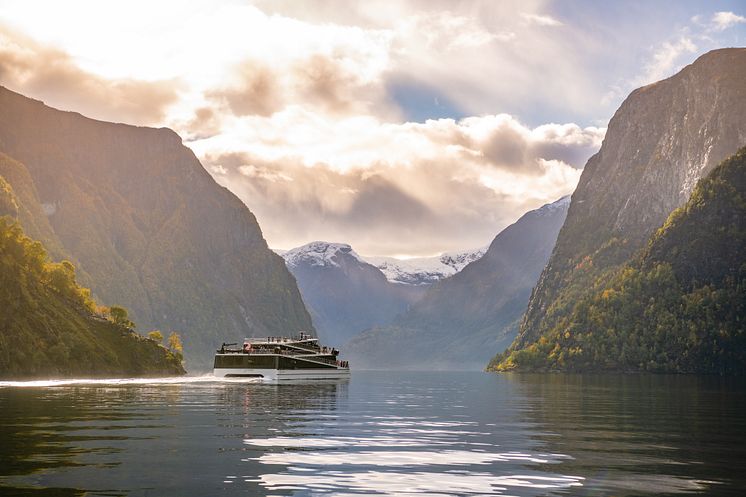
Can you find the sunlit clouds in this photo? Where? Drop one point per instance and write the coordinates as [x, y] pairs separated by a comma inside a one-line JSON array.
[[401, 128], [724, 20], [398, 187]]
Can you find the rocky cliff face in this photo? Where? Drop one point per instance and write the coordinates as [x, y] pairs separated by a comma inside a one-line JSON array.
[[661, 141], [345, 294], [462, 321], [148, 227]]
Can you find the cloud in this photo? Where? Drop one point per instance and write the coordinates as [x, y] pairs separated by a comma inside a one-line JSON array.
[[324, 81], [410, 188], [666, 57], [205, 122], [447, 31], [255, 93], [49, 74], [302, 109], [540, 20], [723, 20]]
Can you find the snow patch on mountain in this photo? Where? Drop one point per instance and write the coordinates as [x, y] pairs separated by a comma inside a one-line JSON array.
[[425, 270], [547, 209], [415, 271], [323, 254]]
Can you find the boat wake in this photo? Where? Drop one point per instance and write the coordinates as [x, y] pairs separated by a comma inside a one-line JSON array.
[[177, 380]]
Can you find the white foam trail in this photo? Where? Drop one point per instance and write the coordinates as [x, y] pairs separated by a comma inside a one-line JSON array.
[[173, 380]]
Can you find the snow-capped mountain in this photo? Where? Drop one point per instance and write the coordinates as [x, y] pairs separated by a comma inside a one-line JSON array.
[[559, 205], [344, 293], [417, 271], [425, 270], [323, 254]]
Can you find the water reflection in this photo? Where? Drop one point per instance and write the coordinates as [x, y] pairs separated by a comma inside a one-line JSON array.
[[411, 437], [155, 437], [644, 434], [423, 434]]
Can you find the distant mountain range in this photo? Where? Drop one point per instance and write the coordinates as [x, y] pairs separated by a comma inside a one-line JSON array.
[[663, 139], [465, 319], [425, 270], [418, 271], [146, 226], [344, 293]]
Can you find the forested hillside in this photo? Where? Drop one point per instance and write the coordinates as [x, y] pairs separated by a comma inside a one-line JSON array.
[[51, 327], [679, 306]]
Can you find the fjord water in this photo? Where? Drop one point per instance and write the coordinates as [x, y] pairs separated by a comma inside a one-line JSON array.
[[380, 433]]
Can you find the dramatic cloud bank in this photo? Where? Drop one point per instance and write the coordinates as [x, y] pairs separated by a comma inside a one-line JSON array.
[[399, 188], [409, 127]]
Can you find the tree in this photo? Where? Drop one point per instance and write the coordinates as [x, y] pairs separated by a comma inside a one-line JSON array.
[[119, 316], [62, 277], [156, 335], [175, 346]]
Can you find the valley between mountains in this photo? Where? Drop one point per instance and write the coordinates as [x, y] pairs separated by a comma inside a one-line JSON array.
[[642, 268]]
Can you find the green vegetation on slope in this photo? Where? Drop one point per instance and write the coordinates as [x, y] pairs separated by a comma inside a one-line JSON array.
[[662, 139], [679, 306], [50, 326]]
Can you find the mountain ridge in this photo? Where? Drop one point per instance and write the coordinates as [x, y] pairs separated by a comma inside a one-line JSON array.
[[662, 139], [463, 320], [150, 229], [344, 293], [677, 306]]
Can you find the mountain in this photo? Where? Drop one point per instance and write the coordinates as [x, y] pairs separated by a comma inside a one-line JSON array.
[[424, 270], [679, 306], [343, 292], [661, 141], [462, 321], [147, 227], [50, 326]]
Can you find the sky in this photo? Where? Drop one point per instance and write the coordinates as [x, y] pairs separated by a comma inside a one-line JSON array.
[[404, 128]]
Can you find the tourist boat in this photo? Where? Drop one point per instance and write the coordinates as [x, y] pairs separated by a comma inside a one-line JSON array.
[[280, 358]]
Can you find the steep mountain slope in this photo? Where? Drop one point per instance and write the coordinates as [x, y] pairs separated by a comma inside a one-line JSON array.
[[424, 270], [345, 294], [464, 320], [48, 327], [680, 306], [149, 227], [663, 138]]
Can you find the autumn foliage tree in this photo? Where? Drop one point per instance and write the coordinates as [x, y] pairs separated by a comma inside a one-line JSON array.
[[120, 316], [175, 345]]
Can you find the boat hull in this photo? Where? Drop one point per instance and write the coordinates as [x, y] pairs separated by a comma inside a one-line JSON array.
[[282, 374]]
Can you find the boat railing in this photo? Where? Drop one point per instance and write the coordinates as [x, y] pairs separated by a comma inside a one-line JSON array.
[[283, 340], [313, 356], [285, 352]]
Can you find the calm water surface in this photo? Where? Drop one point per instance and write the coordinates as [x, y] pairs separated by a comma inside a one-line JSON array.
[[423, 434]]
